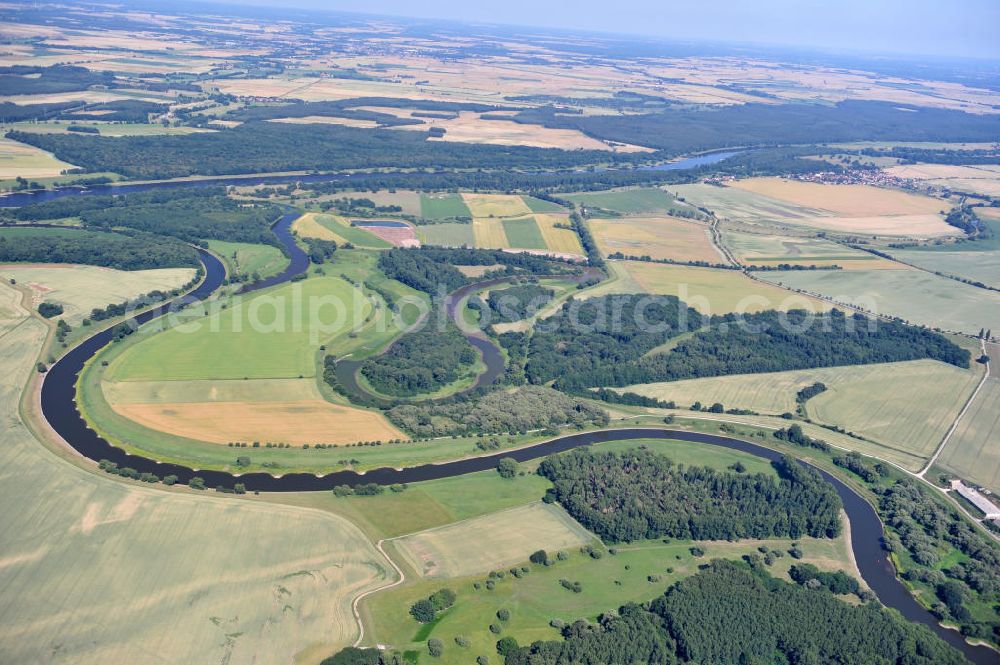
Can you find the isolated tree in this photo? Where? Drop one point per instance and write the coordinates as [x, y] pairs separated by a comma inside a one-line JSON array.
[[540, 557], [442, 599], [435, 647], [423, 610], [507, 467]]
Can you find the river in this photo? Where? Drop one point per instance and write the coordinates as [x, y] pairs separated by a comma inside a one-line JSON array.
[[58, 402]]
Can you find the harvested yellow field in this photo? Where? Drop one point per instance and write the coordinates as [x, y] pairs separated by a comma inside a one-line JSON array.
[[489, 234], [471, 127], [328, 120], [492, 541], [715, 291], [656, 237], [980, 179], [772, 250], [113, 570], [307, 227], [926, 225], [18, 159], [845, 200], [561, 240], [295, 422], [496, 205]]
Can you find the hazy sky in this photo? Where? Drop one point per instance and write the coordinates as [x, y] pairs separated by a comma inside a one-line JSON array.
[[967, 28]]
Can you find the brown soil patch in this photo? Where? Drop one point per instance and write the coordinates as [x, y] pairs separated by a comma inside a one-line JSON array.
[[294, 422]]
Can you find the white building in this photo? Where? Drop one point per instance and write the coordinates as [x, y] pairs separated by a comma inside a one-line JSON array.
[[978, 500]]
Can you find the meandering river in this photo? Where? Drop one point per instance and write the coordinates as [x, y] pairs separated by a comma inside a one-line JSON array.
[[58, 402]]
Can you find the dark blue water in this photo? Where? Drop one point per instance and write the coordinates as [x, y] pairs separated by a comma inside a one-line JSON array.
[[379, 223]]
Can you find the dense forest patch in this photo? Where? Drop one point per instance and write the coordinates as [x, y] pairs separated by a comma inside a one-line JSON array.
[[261, 147], [608, 348], [732, 613], [190, 214], [685, 129], [432, 269], [33, 80], [638, 495], [135, 251], [589, 338], [499, 411], [517, 302], [421, 362], [965, 589]]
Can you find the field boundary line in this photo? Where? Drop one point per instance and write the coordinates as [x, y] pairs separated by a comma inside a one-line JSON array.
[[364, 594], [958, 418]]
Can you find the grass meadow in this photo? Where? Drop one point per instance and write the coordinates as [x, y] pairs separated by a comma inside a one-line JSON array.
[[639, 572], [628, 201], [267, 335], [491, 541], [245, 259], [448, 234], [443, 206]]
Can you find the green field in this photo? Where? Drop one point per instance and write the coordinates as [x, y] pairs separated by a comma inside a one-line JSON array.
[[352, 234], [740, 205], [918, 297], [443, 206], [215, 579], [972, 452], [771, 249], [267, 335], [628, 201], [638, 572], [245, 259], [979, 265], [523, 233], [540, 205], [449, 234], [864, 399], [501, 539]]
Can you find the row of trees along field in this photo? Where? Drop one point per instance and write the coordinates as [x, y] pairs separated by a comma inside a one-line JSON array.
[[600, 342], [635, 495]]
